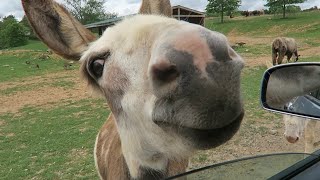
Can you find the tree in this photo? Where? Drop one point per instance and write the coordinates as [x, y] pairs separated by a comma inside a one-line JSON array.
[[276, 4], [8, 20], [222, 6], [12, 34], [88, 11], [293, 9], [25, 23]]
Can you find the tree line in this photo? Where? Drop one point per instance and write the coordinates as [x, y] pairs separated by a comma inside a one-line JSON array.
[[15, 33], [228, 7], [12, 32]]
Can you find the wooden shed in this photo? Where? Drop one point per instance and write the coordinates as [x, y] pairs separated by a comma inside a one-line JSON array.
[[190, 15], [179, 12], [103, 25]]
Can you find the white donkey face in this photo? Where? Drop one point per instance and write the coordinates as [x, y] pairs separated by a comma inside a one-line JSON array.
[[294, 127], [167, 82], [174, 76]]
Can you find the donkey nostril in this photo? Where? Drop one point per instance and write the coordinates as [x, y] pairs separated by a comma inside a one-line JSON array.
[[164, 72]]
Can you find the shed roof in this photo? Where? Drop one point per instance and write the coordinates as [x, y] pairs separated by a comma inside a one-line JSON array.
[[188, 9], [106, 22]]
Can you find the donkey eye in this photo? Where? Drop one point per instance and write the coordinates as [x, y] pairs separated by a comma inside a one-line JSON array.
[[96, 67]]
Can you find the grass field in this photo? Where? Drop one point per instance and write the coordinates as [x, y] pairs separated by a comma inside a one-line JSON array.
[[51, 143], [53, 140], [34, 45], [48, 122], [302, 25]]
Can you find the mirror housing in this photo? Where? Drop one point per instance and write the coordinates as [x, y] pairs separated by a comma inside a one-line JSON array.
[[292, 89]]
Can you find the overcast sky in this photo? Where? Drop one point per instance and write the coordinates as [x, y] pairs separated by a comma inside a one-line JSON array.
[[125, 7]]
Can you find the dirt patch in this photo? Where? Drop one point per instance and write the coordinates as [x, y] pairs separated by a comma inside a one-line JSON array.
[[51, 77], [43, 95], [257, 61]]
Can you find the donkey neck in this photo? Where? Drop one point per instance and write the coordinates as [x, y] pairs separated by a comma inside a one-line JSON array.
[[111, 162]]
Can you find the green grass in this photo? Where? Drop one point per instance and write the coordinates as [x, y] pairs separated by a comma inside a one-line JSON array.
[[14, 65], [310, 59], [63, 83], [251, 80], [32, 45], [24, 61], [303, 25], [254, 50], [52, 143]]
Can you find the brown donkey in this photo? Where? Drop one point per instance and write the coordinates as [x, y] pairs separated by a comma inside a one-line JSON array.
[[172, 87]]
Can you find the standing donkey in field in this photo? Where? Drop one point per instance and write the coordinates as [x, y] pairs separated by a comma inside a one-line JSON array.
[[172, 87], [295, 127], [283, 46]]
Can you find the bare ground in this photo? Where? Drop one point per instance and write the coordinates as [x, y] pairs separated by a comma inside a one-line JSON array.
[[44, 95]]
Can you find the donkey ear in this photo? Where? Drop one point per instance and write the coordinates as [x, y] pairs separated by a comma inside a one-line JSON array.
[[57, 28], [161, 7]]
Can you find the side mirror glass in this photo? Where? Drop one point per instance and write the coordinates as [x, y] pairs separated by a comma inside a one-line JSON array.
[[292, 89]]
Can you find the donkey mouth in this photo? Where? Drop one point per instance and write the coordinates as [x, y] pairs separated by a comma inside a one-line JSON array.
[[205, 138]]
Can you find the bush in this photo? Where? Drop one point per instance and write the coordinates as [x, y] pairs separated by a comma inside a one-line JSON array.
[[12, 34]]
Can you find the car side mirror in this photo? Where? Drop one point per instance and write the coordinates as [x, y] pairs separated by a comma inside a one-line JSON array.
[[292, 88]]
